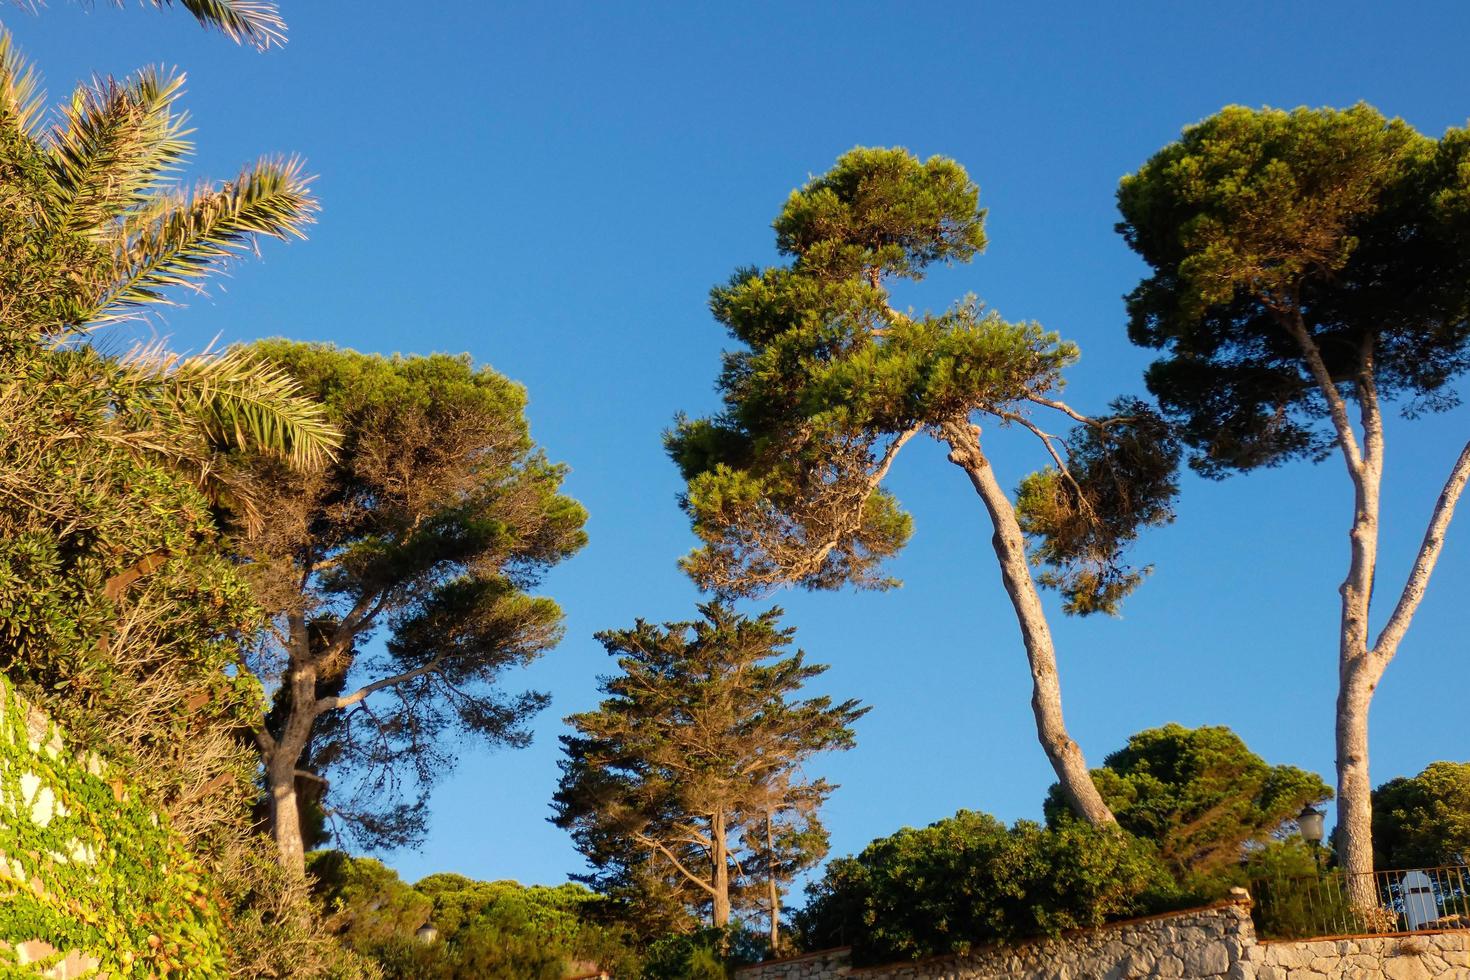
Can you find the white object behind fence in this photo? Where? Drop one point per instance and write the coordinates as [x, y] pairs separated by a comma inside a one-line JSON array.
[[1420, 907]]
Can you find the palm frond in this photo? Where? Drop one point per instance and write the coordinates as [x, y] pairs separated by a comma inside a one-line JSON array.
[[116, 144], [21, 97], [235, 400], [254, 22], [195, 235]]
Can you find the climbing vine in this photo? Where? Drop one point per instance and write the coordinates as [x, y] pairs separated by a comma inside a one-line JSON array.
[[87, 866]]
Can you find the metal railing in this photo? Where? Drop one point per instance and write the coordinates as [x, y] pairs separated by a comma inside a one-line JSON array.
[[1334, 903]]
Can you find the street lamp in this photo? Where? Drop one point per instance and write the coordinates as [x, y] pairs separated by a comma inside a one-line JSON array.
[[1310, 823]]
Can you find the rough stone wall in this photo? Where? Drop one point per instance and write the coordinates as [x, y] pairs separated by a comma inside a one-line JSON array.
[[1445, 954], [1208, 944], [1216, 943]]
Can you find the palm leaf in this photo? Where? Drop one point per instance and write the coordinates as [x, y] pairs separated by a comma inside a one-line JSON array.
[[234, 400], [21, 97], [117, 143], [254, 22], [189, 238]]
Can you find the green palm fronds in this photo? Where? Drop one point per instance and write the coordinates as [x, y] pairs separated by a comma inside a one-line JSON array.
[[20, 91], [181, 240], [234, 399], [94, 227], [109, 178], [117, 144]]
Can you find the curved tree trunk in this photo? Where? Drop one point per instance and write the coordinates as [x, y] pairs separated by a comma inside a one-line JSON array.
[[1046, 690]]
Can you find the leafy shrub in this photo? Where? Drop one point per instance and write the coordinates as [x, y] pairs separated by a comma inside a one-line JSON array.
[[970, 879], [708, 954]]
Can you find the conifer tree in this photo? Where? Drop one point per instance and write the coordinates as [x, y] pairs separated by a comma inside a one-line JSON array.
[[1308, 266], [688, 776], [830, 382]]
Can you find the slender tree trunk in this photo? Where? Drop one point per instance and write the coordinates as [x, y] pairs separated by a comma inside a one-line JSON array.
[[1046, 691], [280, 766], [773, 888], [721, 878], [1358, 667], [1356, 683]]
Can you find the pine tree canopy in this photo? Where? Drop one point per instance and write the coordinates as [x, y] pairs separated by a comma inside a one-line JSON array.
[[829, 382], [1348, 227]]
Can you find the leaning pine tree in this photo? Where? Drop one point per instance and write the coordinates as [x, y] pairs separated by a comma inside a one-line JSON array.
[[831, 382], [1310, 266]]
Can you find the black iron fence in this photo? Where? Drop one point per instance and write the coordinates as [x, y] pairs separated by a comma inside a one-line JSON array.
[[1334, 903]]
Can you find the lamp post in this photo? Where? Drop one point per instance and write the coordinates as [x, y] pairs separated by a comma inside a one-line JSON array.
[[1310, 823]]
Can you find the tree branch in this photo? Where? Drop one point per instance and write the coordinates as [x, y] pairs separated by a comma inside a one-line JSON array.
[[645, 839], [1346, 438], [329, 704], [1064, 408], [1413, 593]]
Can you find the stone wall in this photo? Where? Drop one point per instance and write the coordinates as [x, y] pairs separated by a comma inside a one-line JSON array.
[[1214, 943], [1419, 957], [1200, 943]]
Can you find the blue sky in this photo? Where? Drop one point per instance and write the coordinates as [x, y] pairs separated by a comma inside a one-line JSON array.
[[554, 187]]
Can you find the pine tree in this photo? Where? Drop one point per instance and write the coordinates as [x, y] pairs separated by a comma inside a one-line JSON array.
[[688, 777], [830, 382]]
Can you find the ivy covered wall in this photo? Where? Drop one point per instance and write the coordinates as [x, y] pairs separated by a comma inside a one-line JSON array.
[[91, 881]]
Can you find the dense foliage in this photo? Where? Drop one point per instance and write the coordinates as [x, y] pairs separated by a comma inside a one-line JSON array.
[[1423, 821], [122, 615], [1201, 796], [969, 879], [493, 930], [86, 865]]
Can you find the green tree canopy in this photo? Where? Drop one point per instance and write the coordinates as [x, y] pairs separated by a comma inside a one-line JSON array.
[[700, 742], [437, 518], [1423, 821], [495, 930], [969, 879], [1199, 794], [1306, 266], [829, 382]]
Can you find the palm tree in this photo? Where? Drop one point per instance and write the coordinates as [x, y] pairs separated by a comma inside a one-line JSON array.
[[94, 229]]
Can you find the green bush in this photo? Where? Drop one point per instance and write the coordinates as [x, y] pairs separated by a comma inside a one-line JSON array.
[[970, 879], [709, 954]]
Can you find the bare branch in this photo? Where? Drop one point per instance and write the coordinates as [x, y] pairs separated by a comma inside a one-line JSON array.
[[1429, 549], [645, 839], [1336, 407], [329, 704]]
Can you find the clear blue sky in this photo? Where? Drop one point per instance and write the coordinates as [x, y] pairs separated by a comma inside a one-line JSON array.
[[554, 187]]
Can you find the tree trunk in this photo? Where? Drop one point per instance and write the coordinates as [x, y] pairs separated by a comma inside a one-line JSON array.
[[773, 888], [1046, 691], [720, 914], [1354, 835], [285, 814], [281, 764]]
